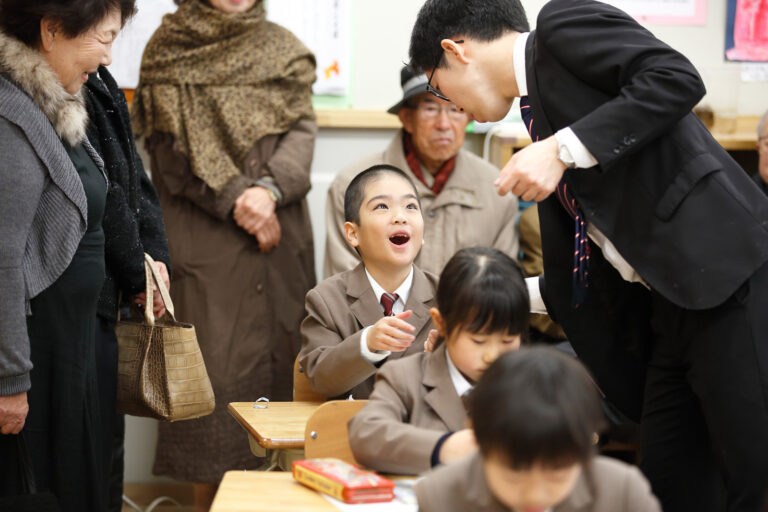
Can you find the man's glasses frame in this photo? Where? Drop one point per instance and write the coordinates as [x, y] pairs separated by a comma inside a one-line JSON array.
[[430, 88]]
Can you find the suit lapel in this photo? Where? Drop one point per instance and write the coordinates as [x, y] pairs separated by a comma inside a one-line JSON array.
[[441, 395], [581, 496], [420, 299], [543, 127], [363, 303]]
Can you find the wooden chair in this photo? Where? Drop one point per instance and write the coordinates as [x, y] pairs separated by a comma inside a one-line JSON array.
[[326, 434], [302, 391]]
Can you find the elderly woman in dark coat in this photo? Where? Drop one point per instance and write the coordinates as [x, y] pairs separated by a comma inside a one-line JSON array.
[[224, 98], [133, 225], [52, 195]]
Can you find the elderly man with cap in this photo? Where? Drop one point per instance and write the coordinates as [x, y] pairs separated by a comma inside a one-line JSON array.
[[459, 203]]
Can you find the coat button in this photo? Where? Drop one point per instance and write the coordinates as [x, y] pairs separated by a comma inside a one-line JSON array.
[[253, 163], [628, 140], [259, 288], [431, 213], [616, 150]]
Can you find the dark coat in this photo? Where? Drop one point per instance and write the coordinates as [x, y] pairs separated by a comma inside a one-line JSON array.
[[133, 221], [677, 207]]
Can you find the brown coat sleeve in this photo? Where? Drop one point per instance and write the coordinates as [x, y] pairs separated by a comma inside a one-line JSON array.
[[172, 166], [290, 163], [386, 435], [330, 353]]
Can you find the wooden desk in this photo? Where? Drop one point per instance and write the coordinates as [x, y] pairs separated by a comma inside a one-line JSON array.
[[245, 491], [280, 426]]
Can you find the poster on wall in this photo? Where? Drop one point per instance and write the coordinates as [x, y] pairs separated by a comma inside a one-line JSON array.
[[746, 31], [664, 12], [324, 27], [129, 45]]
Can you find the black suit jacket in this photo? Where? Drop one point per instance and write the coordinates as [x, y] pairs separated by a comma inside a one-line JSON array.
[[665, 193]]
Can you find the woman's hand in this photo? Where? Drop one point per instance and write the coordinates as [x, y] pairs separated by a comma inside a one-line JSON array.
[[158, 306], [13, 413], [269, 234], [253, 209]]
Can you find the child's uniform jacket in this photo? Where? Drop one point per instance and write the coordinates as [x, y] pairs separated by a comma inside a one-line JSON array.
[[413, 404], [338, 309], [607, 485]]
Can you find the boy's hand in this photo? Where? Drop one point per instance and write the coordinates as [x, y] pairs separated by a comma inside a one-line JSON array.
[[391, 333], [429, 343], [460, 444]]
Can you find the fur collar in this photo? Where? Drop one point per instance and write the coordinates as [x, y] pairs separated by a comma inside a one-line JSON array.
[[32, 74]]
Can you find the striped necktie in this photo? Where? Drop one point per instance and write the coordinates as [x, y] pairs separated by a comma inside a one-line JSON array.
[[388, 300], [581, 246]]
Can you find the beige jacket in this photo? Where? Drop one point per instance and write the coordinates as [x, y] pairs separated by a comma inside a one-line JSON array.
[[607, 486], [338, 309], [413, 404], [467, 213]]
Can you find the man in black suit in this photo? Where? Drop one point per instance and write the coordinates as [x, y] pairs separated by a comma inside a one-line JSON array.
[[655, 241]]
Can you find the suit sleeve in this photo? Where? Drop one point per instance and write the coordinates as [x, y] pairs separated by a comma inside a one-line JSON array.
[[638, 496], [334, 364], [339, 255], [381, 435], [648, 85]]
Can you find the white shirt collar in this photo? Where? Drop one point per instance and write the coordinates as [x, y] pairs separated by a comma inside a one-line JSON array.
[[518, 61], [402, 291], [460, 383]]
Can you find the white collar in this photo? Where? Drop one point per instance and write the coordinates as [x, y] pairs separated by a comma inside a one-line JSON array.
[[518, 60], [402, 291], [460, 383]]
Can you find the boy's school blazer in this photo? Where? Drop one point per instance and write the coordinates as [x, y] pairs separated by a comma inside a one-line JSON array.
[[413, 404], [607, 485], [338, 309]]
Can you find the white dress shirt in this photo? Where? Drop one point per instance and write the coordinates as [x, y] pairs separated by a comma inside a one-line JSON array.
[[584, 159], [460, 383], [398, 307]]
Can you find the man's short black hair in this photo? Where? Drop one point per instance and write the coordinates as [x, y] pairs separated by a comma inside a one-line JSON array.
[[536, 405], [353, 197], [21, 18], [484, 20]]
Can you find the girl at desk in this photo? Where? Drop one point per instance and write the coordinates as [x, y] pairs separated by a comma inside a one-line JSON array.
[[415, 418]]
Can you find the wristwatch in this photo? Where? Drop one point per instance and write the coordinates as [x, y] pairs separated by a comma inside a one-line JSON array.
[[564, 155], [272, 195]]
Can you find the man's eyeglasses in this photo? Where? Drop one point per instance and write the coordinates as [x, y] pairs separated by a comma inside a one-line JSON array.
[[430, 88], [430, 110]]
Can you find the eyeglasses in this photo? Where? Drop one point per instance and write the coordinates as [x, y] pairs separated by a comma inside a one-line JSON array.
[[430, 88], [430, 110]]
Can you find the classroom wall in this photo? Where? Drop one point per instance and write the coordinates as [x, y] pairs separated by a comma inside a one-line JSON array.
[[380, 34]]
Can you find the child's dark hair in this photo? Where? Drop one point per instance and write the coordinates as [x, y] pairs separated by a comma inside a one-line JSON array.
[[536, 405], [484, 20], [483, 290], [353, 197]]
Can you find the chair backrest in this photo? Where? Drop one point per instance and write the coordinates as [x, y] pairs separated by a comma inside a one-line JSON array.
[[302, 391], [326, 434]]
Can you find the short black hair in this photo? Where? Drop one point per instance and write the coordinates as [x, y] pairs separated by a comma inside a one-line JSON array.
[[353, 197], [21, 18], [536, 405], [483, 290], [484, 20]]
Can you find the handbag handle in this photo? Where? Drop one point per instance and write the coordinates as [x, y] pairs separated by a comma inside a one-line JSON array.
[[152, 272]]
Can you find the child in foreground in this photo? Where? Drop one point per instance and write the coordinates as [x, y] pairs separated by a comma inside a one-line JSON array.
[[415, 418], [536, 414]]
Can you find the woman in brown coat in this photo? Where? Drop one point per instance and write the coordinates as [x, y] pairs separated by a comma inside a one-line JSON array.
[[224, 101]]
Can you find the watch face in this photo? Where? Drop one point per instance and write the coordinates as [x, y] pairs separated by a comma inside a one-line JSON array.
[[565, 156]]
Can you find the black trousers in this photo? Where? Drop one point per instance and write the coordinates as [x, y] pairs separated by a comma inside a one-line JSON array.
[[705, 417], [112, 430]]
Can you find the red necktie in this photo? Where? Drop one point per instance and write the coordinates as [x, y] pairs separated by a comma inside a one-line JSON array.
[[581, 247], [388, 300]]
